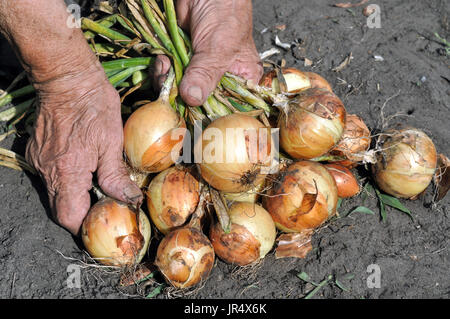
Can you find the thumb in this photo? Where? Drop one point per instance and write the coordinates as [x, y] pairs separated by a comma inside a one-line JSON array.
[[115, 181], [202, 76]]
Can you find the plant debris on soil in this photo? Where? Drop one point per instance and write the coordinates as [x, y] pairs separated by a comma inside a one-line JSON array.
[[412, 253]]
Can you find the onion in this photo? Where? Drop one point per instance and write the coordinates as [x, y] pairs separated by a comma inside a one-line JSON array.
[[296, 80], [250, 196], [354, 143], [141, 179], [113, 235], [311, 124], [237, 162], [406, 164], [318, 82], [251, 235], [153, 134], [346, 183], [172, 197], [304, 197], [185, 256]]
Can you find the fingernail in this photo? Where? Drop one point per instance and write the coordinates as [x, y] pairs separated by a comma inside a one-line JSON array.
[[196, 93], [132, 193]]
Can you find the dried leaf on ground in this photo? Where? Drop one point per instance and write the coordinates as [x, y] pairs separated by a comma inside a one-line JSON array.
[[344, 63]]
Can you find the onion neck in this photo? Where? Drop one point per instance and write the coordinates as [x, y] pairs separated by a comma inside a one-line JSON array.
[[167, 87]]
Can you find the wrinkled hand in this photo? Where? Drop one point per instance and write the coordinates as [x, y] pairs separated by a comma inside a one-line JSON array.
[[78, 131], [221, 32]]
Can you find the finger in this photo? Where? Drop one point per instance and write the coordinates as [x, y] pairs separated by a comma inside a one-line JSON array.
[[114, 179], [202, 76], [248, 64], [71, 201], [159, 71], [183, 13]]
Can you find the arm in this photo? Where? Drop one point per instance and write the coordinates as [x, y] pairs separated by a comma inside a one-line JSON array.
[[78, 129]]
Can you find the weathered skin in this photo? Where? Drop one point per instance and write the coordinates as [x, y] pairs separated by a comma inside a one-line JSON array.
[[78, 130]]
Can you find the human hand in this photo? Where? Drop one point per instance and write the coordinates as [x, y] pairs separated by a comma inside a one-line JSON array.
[[79, 131], [221, 32]]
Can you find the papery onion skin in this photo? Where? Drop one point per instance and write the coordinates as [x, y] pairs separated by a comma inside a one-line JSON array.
[[149, 141], [354, 143], [185, 257], [311, 124], [141, 179], [234, 176], [318, 82], [296, 80], [406, 164], [251, 236], [112, 234], [172, 197], [304, 197], [346, 183]]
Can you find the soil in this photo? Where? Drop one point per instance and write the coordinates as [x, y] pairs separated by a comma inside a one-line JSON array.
[[412, 254]]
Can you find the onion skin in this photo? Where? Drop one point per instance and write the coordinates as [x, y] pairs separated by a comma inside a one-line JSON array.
[[406, 164], [235, 176], [311, 124], [148, 140], [250, 196], [354, 143], [296, 80], [318, 82], [172, 197], [295, 203], [251, 236], [185, 257], [112, 234], [346, 183]]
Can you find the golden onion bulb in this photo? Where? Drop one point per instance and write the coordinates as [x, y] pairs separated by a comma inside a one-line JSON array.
[[296, 80], [236, 151], [251, 236], [304, 197], [250, 196], [318, 82], [153, 137], [185, 257], [113, 234], [406, 164], [346, 183], [311, 124], [172, 197]]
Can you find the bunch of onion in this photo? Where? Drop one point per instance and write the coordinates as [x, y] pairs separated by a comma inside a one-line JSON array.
[[115, 234], [236, 153], [185, 256], [355, 142], [347, 185], [406, 162], [311, 123], [250, 235], [172, 197], [295, 81], [154, 133], [304, 196]]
